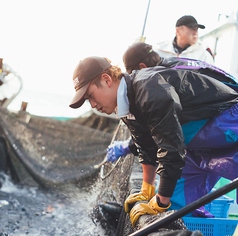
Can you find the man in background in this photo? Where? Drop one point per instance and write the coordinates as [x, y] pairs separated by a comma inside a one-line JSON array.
[[186, 42]]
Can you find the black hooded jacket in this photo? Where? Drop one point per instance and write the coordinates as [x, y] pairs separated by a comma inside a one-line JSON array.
[[162, 99]]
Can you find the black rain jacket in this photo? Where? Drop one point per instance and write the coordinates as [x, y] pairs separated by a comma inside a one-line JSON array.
[[162, 99]]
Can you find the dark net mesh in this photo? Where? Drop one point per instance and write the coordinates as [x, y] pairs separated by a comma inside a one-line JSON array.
[[49, 151]]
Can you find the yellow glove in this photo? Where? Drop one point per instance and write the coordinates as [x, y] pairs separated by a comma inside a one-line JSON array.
[[146, 193], [150, 208]]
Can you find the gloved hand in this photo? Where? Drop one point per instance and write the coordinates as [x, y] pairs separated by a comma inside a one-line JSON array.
[[146, 193], [117, 149], [151, 208]]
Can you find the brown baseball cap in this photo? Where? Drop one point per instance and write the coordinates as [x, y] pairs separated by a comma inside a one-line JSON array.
[[136, 53], [85, 72], [189, 21]]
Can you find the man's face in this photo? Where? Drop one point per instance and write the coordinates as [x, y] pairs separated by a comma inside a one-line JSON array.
[[103, 97], [187, 35]]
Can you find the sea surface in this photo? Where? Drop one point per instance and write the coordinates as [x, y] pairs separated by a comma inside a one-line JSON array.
[[65, 210]]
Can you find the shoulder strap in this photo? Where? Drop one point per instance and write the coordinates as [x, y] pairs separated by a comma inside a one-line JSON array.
[[202, 67]]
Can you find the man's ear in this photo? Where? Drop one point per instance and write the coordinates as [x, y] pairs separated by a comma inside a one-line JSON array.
[[142, 65], [178, 30], [106, 78]]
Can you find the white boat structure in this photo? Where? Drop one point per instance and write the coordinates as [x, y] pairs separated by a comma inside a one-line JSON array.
[[222, 40]]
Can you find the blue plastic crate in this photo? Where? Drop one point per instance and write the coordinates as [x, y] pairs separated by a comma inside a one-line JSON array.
[[220, 206], [211, 226]]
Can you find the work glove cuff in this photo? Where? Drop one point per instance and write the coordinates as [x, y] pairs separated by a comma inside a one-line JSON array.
[[157, 206]]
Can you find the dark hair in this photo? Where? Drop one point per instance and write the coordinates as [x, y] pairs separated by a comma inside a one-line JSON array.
[[151, 60]]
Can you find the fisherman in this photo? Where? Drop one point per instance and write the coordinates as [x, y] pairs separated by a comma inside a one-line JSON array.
[[141, 55], [156, 103], [186, 43]]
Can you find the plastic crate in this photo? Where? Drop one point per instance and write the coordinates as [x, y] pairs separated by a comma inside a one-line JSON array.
[[220, 206], [211, 226]]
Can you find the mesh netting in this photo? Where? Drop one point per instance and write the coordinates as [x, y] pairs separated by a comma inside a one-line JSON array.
[[53, 151]]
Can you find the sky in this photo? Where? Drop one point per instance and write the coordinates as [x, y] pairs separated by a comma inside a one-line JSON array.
[[43, 40]]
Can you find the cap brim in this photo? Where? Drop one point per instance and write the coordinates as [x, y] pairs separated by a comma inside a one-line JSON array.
[[201, 26], [78, 99], [196, 25]]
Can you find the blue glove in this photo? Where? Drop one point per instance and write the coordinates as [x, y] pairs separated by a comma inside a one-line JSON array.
[[117, 149]]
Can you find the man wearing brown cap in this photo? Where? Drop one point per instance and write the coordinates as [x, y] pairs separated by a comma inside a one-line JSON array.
[[154, 104], [186, 43]]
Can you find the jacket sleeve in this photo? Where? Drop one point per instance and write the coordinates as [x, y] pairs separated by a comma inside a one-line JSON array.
[[160, 108], [142, 144]]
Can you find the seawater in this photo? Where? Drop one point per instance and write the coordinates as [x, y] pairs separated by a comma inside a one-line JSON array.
[[65, 210]]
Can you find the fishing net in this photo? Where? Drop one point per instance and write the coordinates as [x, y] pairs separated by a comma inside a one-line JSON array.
[[48, 152]]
